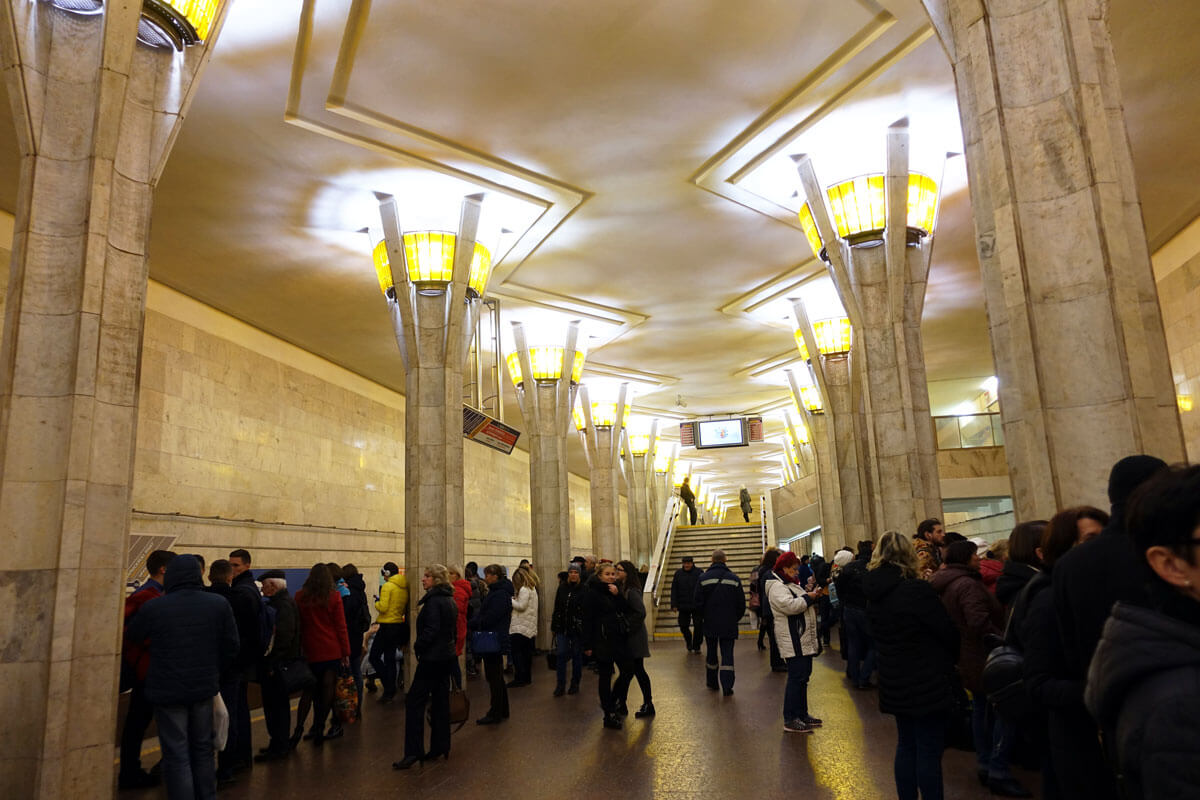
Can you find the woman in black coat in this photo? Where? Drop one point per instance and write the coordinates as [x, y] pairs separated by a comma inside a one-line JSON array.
[[606, 635], [638, 642], [437, 626], [358, 620], [917, 645], [495, 614]]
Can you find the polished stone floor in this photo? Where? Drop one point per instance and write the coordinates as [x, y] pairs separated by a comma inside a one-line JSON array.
[[699, 745]]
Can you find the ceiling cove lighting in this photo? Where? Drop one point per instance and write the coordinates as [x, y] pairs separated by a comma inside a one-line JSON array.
[[429, 256], [164, 23], [546, 363]]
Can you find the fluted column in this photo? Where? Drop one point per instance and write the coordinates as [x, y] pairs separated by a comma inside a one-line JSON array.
[[1073, 312], [602, 443], [546, 409], [883, 290], [95, 117]]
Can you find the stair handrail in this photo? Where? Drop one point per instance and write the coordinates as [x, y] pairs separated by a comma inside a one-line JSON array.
[[658, 559], [762, 513]]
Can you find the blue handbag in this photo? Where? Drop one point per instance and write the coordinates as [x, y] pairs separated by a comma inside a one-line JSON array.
[[484, 643]]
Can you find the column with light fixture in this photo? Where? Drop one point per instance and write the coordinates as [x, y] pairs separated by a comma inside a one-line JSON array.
[[96, 113], [664, 466], [879, 259], [546, 406], [639, 475], [433, 294], [600, 417], [1076, 328]]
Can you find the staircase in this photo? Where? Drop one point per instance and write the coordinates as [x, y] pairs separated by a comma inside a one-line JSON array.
[[743, 550]]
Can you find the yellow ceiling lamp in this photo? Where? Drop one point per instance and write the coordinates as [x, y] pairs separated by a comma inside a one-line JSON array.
[[662, 458], [546, 363], [682, 470], [639, 444], [811, 233], [800, 430], [604, 413], [859, 208], [429, 256], [164, 23], [810, 396]]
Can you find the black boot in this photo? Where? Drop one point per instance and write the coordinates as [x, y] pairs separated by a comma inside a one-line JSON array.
[[621, 710], [647, 710], [612, 721]]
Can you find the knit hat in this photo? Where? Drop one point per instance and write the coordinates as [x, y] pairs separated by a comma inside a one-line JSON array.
[[842, 557], [574, 567]]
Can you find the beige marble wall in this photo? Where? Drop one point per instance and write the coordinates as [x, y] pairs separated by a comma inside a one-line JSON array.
[[1179, 293], [240, 425]]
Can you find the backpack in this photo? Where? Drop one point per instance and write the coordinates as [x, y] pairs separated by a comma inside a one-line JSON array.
[[266, 625], [1003, 678]]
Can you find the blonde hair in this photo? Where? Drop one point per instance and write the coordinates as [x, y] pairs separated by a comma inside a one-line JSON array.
[[438, 574], [524, 576], [895, 548], [454, 569]]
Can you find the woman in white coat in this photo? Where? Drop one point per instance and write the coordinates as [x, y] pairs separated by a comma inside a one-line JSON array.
[[522, 630], [794, 608]]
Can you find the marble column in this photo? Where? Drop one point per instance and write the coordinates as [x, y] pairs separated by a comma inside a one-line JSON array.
[[883, 291], [1073, 312], [546, 410], [828, 488], [433, 328], [95, 116], [602, 445], [639, 475]]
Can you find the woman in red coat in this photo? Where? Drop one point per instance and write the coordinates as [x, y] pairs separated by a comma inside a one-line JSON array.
[[324, 641], [462, 597]]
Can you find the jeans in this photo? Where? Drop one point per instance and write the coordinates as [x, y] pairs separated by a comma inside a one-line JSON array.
[[277, 711], [636, 669], [795, 693], [185, 736], [390, 637], [431, 683], [137, 719], [569, 646], [981, 730], [725, 670], [522, 658], [493, 668], [860, 661], [691, 507], [692, 635], [1004, 734], [919, 745]]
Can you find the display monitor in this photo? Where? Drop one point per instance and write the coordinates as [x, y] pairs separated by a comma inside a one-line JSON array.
[[720, 433]]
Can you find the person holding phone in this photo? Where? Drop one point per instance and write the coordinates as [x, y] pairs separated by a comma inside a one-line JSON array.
[[795, 618]]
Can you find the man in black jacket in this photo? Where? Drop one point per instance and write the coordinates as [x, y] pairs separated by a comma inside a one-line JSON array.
[[860, 658], [285, 649], [722, 601], [683, 601], [193, 639]]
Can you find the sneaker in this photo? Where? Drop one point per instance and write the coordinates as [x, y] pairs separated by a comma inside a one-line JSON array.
[[613, 721], [727, 692], [811, 721], [797, 726]]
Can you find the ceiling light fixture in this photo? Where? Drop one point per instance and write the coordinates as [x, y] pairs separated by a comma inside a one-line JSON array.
[[429, 256], [859, 208], [164, 23], [811, 397], [546, 361], [834, 337]]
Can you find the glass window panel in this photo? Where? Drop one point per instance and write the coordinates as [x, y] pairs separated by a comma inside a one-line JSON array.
[[997, 431], [976, 430], [946, 429]]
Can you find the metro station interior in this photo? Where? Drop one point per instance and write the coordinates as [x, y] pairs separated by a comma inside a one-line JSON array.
[[673, 204]]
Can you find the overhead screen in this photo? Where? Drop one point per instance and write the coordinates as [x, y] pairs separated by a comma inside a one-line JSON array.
[[720, 433]]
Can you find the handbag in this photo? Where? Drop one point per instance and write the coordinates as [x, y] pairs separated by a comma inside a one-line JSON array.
[[485, 643], [345, 699], [220, 724], [460, 707], [295, 675], [1003, 678]]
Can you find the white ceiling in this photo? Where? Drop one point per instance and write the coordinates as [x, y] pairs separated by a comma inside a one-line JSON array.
[[641, 149]]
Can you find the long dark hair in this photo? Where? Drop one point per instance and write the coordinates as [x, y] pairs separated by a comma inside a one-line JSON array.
[[317, 586], [632, 578]]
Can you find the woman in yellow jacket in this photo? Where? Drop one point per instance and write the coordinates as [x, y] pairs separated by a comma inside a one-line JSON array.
[[392, 605]]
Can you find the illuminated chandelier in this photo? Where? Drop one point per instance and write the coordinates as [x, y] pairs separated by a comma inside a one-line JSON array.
[[833, 337], [429, 256], [859, 208]]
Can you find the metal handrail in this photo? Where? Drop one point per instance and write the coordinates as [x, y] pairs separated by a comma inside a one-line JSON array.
[[762, 512], [658, 559]]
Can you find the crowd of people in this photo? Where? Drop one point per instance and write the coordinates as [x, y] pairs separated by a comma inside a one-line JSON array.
[[1071, 646]]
